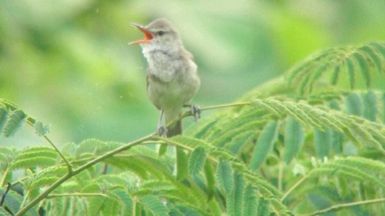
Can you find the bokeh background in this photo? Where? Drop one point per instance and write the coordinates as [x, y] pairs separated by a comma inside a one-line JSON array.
[[67, 62]]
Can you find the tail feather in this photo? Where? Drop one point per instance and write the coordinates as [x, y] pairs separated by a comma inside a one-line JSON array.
[[174, 129]]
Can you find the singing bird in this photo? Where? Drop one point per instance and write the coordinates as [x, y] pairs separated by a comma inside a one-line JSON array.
[[172, 78]]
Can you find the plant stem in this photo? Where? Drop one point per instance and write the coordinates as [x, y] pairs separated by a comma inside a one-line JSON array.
[[345, 205], [69, 167], [221, 106], [80, 169], [4, 177], [76, 194], [280, 175], [294, 186]]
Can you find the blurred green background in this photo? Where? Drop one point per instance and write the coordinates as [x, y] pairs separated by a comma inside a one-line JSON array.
[[67, 62]]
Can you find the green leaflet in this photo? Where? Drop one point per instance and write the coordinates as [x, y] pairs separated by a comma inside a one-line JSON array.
[[239, 141], [364, 67], [154, 205], [111, 206], [370, 108], [3, 117], [94, 204], [351, 72], [181, 164], [32, 162], [373, 57], [15, 120], [335, 74], [224, 176], [263, 207], [336, 141], [36, 156], [264, 145], [383, 107], [250, 202], [354, 104], [234, 199], [294, 139], [37, 152], [322, 140], [196, 161], [210, 179]]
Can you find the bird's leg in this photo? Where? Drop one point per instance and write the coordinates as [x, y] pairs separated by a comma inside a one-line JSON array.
[[161, 128], [195, 111]]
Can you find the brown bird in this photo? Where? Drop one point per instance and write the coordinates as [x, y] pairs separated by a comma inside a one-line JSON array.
[[172, 78]]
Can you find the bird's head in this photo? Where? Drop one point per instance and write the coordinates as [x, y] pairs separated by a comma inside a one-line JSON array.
[[158, 34]]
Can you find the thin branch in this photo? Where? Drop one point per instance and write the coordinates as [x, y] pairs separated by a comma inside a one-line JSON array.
[[4, 177], [5, 194], [61, 180], [69, 167], [345, 205], [230, 105], [298, 183], [75, 194]]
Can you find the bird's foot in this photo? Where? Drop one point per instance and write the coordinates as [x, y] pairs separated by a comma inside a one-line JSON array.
[[195, 111], [162, 131]]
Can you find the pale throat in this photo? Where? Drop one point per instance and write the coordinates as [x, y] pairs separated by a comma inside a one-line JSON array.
[[162, 60]]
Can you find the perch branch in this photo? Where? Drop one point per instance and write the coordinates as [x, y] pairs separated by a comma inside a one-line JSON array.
[[345, 205], [149, 137]]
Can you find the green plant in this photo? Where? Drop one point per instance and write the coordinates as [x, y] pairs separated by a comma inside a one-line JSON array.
[[311, 144]]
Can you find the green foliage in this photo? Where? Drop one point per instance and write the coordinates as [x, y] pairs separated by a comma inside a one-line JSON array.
[[264, 144], [276, 151], [224, 176], [196, 161], [294, 139], [13, 123], [340, 62], [11, 119]]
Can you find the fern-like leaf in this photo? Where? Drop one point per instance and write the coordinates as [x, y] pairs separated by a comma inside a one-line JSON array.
[[154, 205], [352, 60], [264, 145], [322, 142], [3, 116], [250, 203], [14, 122], [224, 176], [196, 161], [294, 139]]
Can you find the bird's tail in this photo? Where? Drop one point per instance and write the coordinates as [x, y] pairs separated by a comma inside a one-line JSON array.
[[174, 129]]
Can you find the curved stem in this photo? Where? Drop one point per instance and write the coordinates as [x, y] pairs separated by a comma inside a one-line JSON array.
[[298, 183], [345, 205], [69, 167], [76, 194]]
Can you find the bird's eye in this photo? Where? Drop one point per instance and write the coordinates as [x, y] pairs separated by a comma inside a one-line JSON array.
[[160, 33]]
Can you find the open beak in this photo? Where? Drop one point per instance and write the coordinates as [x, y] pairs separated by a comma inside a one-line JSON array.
[[147, 35]]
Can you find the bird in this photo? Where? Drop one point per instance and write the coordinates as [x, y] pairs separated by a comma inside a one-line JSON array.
[[172, 78]]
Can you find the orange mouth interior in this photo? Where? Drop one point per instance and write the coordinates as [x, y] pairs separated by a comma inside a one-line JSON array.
[[148, 36]]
